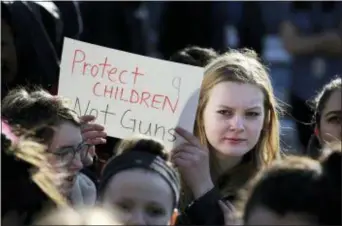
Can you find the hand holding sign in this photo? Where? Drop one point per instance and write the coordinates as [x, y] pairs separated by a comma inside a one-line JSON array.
[[92, 133], [229, 213], [192, 160]]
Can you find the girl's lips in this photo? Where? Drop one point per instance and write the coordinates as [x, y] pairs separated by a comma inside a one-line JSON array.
[[234, 141]]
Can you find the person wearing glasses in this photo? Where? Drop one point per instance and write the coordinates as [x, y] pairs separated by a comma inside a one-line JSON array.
[[69, 139], [29, 184]]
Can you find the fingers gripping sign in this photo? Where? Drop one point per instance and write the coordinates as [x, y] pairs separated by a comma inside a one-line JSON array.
[[228, 213], [192, 160], [189, 137], [87, 118], [93, 133]]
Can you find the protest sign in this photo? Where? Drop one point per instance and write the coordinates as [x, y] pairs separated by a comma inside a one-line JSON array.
[[127, 93]]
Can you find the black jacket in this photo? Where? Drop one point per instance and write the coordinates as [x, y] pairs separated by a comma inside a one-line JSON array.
[[38, 63], [204, 211]]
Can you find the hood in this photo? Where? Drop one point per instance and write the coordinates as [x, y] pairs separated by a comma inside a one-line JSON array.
[[38, 63]]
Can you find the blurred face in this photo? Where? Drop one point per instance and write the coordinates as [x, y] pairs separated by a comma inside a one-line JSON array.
[[8, 53], [234, 117], [331, 119], [263, 216], [67, 148], [82, 216], [139, 197]]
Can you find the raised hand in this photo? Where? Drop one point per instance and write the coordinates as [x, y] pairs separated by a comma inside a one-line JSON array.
[[228, 213], [92, 133], [192, 161]]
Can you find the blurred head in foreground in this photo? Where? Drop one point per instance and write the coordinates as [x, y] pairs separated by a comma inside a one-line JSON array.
[[53, 123], [69, 216], [29, 183], [298, 191], [139, 184]]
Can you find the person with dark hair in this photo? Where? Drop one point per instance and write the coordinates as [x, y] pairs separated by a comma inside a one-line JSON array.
[[195, 56], [9, 59], [28, 58], [311, 32], [50, 18], [140, 184], [70, 14], [327, 107], [297, 191], [29, 183], [55, 125]]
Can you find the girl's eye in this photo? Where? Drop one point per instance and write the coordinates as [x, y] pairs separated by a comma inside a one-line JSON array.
[[124, 206], [64, 151], [253, 114], [224, 112], [155, 211], [335, 119]]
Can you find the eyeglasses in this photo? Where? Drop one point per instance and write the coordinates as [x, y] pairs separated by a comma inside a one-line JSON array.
[[68, 154]]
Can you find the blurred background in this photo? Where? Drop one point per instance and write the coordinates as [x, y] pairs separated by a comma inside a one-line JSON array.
[[32, 38]]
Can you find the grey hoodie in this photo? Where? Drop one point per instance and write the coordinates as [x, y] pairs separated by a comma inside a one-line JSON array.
[[84, 191]]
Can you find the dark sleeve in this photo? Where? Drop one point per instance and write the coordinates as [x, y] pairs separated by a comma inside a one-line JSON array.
[[91, 175], [203, 211], [339, 12]]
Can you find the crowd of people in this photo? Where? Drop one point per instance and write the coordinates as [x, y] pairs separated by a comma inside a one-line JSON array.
[[60, 168]]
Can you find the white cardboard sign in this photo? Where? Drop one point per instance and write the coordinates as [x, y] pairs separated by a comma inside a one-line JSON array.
[[127, 93]]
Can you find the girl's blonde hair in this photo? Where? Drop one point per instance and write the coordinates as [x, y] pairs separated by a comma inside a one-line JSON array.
[[84, 216], [242, 66], [30, 182], [33, 156]]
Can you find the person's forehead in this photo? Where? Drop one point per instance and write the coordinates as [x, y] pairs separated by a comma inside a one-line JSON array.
[[67, 134], [333, 102], [236, 95], [139, 178]]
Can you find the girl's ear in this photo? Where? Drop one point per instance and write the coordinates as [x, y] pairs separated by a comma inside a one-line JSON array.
[[174, 217], [316, 132]]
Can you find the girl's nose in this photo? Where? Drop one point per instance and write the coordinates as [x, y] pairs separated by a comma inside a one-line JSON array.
[[237, 123]]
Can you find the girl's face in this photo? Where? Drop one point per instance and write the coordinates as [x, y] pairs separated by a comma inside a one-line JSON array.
[[139, 197], [331, 119], [234, 117], [66, 148], [264, 216]]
